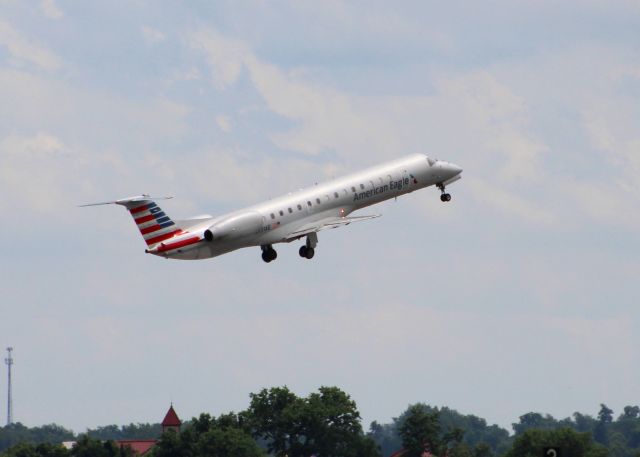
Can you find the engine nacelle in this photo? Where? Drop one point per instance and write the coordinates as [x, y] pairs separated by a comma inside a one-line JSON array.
[[235, 227]]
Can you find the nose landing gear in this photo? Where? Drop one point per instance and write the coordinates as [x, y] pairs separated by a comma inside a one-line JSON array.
[[444, 196]]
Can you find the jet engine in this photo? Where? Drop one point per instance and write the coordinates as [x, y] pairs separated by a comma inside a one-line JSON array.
[[235, 226]]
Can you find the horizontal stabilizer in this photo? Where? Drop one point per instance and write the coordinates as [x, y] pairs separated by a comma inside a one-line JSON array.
[[124, 201]]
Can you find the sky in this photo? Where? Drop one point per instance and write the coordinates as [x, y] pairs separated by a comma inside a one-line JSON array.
[[519, 295]]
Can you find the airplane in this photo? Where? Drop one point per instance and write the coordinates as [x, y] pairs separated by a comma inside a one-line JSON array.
[[297, 215]]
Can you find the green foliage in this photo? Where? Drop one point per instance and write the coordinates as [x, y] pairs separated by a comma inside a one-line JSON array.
[[421, 431], [89, 447], [482, 439], [326, 423], [17, 433], [85, 447], [572, 444], [207, 436], [126, 432]]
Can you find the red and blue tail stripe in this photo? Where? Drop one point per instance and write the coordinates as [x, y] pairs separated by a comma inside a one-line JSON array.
[[154, 225]]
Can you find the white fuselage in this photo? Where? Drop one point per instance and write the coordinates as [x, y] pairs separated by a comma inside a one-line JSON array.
[[273, 221]]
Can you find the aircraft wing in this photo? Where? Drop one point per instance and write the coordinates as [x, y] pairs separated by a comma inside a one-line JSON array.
[[328, 223]]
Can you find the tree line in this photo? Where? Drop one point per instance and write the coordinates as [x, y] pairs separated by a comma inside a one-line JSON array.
[[327, 423]]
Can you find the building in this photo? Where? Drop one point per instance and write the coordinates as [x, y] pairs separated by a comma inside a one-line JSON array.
[[171, 421]]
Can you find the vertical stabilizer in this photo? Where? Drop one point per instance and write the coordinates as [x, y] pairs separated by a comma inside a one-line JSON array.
[[154, 224]]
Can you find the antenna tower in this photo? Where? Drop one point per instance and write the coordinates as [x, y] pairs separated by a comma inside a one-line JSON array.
[[9, 362]]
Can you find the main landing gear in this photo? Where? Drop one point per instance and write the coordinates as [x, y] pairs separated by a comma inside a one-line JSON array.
[[444, 196], [308, 250], [268, 253]]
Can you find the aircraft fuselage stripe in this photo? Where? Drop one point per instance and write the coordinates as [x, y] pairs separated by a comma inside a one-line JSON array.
[[163, 237], [178, 244]]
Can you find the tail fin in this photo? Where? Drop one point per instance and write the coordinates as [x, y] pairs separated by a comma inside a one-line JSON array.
[[154, 225]]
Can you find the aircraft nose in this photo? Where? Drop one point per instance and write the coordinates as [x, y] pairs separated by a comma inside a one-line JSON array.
[[452, 169]]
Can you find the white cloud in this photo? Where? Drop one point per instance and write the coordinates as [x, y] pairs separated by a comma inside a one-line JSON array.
[[50, 9], [24, 49], [494, 120], [224, 123], [224, 56], [151, 35], [34, 172], [509, 202]]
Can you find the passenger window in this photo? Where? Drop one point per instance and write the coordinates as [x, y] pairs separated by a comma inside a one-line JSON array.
[[335, 194], [318, 201], [299, 207], [362, 186], [353, 189], [290, 211], [281, 213], [273, 216], [309, 203]]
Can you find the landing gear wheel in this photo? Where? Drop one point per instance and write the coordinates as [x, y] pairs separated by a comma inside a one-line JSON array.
[[303, 251], [310, 253], [269, 255], [445, 197]]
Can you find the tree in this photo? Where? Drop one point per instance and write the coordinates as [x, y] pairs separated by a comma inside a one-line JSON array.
[[272, 416], [583, 422], [326, 423], [419, 431], [385, 436], [126, 432], [601, 430], [630, 412], [482, 450], [572, 443], [534, 420], [21, 450], [17, 433], [207, 436], [88, 447]]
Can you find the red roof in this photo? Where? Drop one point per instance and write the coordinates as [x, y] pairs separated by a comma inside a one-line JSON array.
[[171, 419], [139, 447]]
